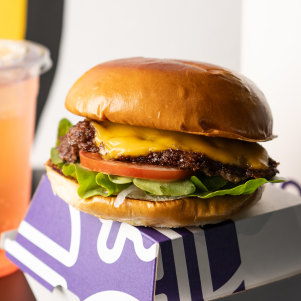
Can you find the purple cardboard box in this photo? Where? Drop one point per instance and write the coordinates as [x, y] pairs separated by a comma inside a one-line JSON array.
[[98, 259]]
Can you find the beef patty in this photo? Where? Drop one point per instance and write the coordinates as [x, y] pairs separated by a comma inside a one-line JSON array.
[[81, 137]]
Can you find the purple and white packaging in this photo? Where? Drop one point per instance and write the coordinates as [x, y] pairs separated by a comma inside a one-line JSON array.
[[98, 259]]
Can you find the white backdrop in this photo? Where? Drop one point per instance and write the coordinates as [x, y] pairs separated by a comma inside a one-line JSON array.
[[95, 31], [271, 56], [260, 38]]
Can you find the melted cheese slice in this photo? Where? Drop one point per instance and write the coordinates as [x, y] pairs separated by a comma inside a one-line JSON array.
[[125, 140]]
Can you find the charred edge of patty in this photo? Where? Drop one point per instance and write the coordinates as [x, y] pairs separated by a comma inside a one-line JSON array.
[[81, 137], [200, 163]]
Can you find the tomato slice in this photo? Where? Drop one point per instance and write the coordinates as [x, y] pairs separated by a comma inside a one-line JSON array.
[[94, 161]]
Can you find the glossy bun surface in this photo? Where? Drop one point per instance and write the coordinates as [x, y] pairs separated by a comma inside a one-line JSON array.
[[174, 95]]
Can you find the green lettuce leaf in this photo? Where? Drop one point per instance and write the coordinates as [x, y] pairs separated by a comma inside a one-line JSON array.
[[55, 158], [87, 183], [104, 181], [69, 170], [198, 183], [113, 188], [176, 188], [120, 180], [92, 183], [214, 183], [86, 179], [246, 188], [63, 128]]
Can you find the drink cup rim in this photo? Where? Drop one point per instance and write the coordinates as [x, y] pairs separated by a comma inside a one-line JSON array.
[[37, 57]]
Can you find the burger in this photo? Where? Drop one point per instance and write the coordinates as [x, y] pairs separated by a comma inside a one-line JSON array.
[[163, 143]]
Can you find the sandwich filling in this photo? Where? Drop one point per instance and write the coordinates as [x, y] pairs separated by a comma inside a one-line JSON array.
[[204, 165], [233, 160]]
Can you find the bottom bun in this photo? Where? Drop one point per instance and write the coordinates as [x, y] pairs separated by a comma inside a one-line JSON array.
[[175, 213]]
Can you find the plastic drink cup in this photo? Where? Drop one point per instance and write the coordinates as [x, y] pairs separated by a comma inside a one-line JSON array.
[[21, 63]]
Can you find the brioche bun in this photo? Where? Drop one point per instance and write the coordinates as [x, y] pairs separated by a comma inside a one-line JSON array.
[[176, 95], [175, 213]]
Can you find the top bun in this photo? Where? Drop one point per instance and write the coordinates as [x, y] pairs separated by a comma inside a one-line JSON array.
[[176, 95]]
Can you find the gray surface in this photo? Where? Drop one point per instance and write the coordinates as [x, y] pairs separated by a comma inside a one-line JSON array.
[[288, 289]]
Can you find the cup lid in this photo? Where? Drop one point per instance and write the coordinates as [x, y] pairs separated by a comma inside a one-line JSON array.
[[26, 55]]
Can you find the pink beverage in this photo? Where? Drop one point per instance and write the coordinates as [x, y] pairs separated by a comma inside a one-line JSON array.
[[21, 63]]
